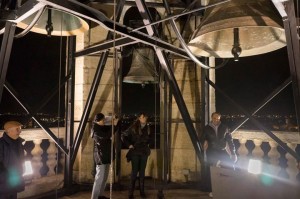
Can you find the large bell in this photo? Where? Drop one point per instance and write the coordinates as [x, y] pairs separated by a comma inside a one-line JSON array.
[[57, 23], [238, 28], [142, 69]]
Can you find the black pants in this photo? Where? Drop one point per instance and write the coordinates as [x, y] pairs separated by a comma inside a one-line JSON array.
[[138, 163]]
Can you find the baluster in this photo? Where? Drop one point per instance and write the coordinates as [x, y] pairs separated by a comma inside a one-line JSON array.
[[291, 169], [51, 162], [242, 152], [257, 151], [274, 158], [37, 152]]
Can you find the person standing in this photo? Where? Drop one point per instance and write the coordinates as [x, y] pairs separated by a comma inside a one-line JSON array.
[[218, 146], [137, 139], [12, 159], [101, 134]]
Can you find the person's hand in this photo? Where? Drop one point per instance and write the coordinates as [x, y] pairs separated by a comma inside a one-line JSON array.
[[205, 145], [131, 147]]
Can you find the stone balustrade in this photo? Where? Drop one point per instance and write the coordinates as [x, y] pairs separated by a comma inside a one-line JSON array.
[[43, 153], [250, 144], [258, 145]]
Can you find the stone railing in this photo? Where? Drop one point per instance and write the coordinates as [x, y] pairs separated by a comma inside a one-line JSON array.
[[48, 171], [258, 145], [46, 159]]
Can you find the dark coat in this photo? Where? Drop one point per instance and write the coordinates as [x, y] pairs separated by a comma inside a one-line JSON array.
[[102, 143], [139, 138], [11, 165], [217, 141]]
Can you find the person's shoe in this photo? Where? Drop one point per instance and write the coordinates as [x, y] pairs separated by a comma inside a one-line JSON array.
[[210, 194]]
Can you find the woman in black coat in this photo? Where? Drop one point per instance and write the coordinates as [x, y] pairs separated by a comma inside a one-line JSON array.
[[137, 140], [101, 134]]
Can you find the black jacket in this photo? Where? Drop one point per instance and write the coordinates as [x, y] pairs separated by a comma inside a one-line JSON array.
[[139, 138], [11, 165], [218, 141], [102, 143]]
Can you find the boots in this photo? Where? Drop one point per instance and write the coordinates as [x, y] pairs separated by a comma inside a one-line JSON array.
[[131, 188], [142, 188]]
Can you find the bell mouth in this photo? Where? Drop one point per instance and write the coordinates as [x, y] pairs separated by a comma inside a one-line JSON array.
[[64, 24], [260, 29], [253, 41]]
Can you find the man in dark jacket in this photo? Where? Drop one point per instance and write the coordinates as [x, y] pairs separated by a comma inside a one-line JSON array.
[[218, 146], [11, 161], [102, 133]]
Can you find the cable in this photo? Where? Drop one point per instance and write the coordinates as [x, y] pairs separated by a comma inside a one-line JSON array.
[[59, 102], [113, 104]]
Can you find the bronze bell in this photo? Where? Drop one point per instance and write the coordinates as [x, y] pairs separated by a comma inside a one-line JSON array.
[[57, 23], [142, 69], [238, 28]]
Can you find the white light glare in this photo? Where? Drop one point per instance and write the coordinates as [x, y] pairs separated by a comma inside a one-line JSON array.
[[28, 168], [254, 166]]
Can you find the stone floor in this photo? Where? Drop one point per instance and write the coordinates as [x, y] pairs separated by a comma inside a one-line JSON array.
[[168, 194], [171, 191]]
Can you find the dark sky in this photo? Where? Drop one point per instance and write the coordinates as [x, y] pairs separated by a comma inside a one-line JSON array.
[[34, 71], [250, 80]]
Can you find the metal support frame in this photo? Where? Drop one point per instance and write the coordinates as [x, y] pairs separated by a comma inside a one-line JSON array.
[[5, 52], [162, 57], [264, 102], [117, 43], [160, 46], [93, 91], [84, 11], [68, 174], [37, 120], [293, 48]]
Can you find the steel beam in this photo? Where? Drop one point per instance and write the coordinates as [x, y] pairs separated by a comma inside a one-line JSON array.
[[264, 102], [38, 121], [84, 11], [117, 43], [68, 174], [5, 52], [292, 39], [162, 57], [94, 88]]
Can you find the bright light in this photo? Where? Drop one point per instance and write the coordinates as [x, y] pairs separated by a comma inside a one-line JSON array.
[[28, 168], [254, 166]]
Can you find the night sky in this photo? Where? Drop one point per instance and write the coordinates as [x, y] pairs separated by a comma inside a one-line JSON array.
[[250, 80], [33, 72]]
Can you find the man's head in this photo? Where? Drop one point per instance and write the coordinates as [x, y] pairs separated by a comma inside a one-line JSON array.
[[99, 119], [13, 129], [216, 118]]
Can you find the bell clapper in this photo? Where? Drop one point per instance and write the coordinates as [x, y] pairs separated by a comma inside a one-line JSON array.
[[236, 49]]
